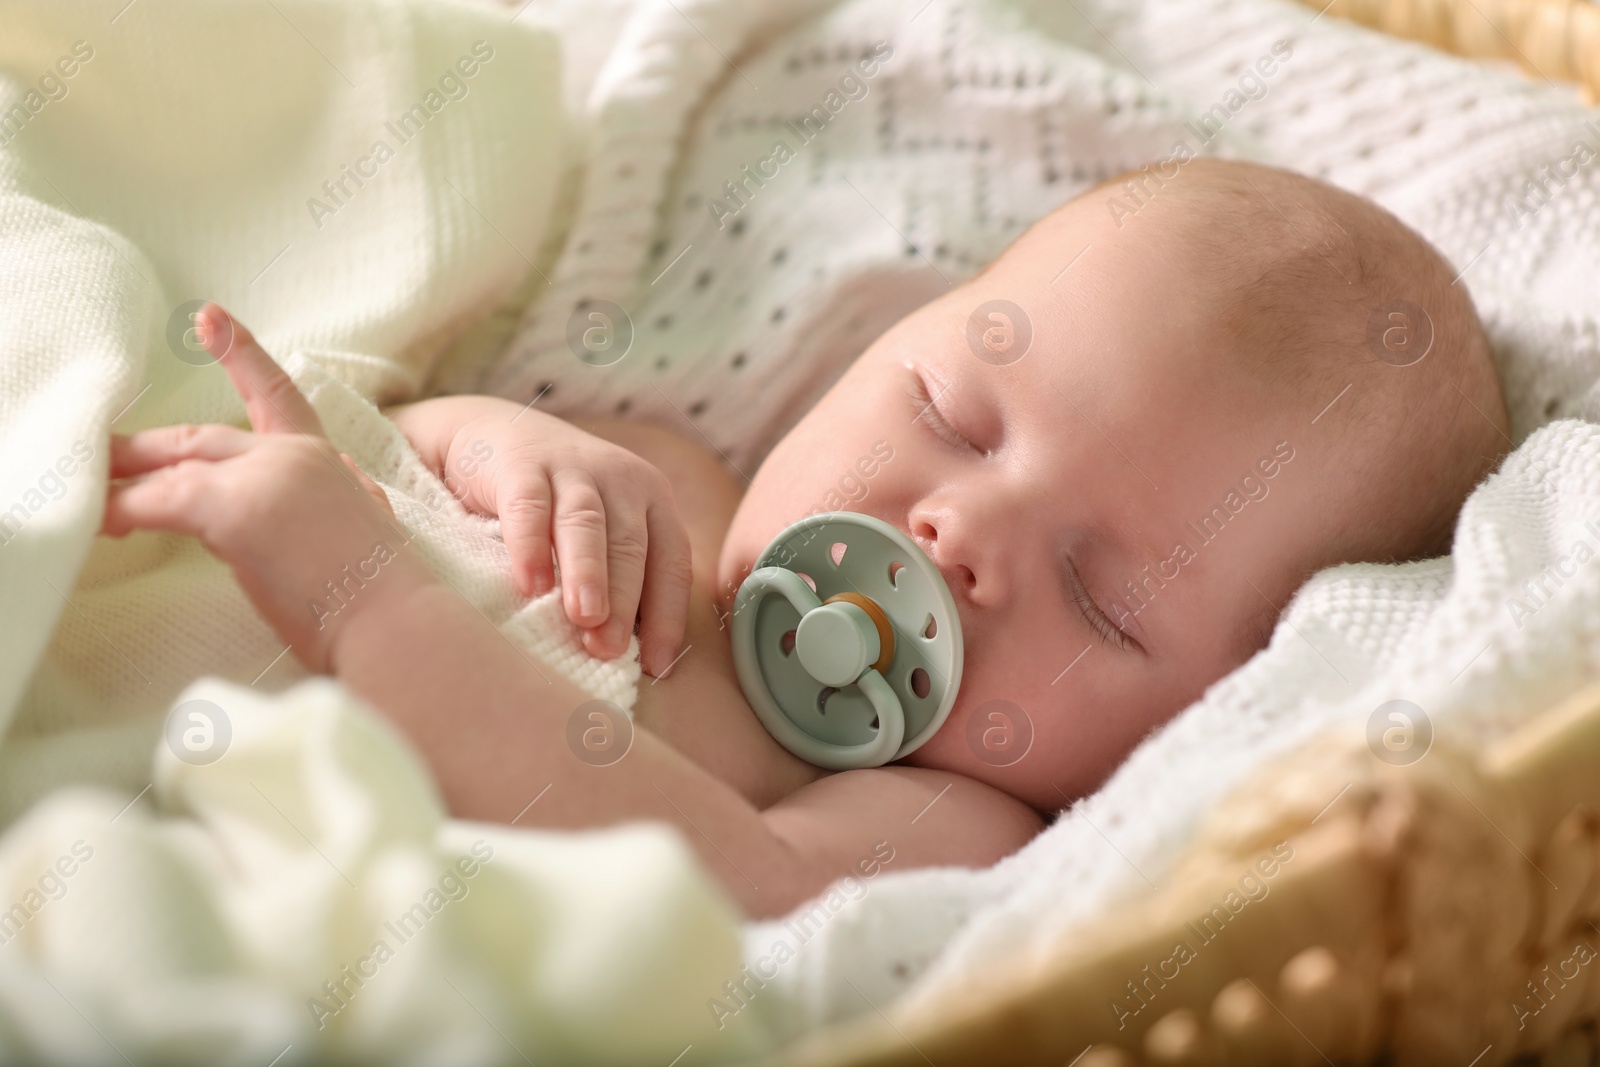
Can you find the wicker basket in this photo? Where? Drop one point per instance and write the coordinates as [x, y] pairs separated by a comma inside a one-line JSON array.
[[1442, 913], [1558, 40]]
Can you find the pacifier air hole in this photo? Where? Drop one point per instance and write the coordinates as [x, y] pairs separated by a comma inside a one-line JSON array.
[[837, 552], [786, 642], [822, 700], [931, 630], [804, 577], [894, 572], [920, 683]]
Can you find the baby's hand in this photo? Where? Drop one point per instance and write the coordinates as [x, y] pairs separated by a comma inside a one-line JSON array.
[[310, 538], [607, 514]]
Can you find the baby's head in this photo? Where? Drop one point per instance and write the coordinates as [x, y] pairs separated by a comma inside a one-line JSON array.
[[1222, 394]]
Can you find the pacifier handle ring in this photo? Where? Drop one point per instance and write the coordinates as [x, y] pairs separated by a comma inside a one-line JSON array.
[[891, 720], [891, 716]]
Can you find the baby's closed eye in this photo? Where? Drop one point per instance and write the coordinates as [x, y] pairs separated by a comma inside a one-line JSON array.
[[1093, 614], [926, 406]]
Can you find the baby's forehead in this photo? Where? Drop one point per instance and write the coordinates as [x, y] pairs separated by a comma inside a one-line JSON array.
[[1228, 274], [1283, 272]]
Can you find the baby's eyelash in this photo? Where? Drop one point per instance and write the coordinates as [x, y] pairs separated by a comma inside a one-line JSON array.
[[1097, 619], [927, 410], [1108, 630]]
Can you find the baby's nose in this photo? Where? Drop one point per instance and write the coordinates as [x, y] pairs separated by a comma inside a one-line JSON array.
[[960, 578], [971, 563]]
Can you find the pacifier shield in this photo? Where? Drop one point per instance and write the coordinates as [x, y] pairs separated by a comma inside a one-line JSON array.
[[827, 592]]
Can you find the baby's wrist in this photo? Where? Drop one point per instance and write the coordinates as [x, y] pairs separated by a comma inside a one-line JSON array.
[[396, 594], [435, 427]]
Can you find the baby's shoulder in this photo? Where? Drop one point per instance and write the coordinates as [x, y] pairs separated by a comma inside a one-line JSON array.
[[679, 457]]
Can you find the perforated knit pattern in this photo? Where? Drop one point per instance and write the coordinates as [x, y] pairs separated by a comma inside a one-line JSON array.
[[745, 306], [985, 118]]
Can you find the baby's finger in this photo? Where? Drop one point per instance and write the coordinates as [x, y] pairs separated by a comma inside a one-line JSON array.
[[626, 537], [664, 608], [270, 396], [580, 534], [163, 446], [373, 488], [524, 507], [172, 499]]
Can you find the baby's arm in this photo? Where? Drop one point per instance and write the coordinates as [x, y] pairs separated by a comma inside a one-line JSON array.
[[503, 742], [281, 509]]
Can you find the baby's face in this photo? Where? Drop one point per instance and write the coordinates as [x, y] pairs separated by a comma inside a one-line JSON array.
[[1106, 455]]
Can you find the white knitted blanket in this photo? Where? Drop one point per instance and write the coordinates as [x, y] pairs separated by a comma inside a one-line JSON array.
[[266, 873], [745, 307]]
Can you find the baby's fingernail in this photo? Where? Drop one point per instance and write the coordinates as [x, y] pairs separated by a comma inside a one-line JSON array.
[[590, 600], [661, 661]]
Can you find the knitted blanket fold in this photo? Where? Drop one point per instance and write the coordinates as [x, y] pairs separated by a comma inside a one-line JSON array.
[[209, 857]]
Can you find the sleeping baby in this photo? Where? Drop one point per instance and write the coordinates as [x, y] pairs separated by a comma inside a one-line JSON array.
[[1124, 445]]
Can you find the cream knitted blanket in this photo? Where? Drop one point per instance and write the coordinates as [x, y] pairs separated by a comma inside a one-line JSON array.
[[266, 873]]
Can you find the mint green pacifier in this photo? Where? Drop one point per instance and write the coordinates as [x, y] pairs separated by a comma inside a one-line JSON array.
[[846, 641]]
